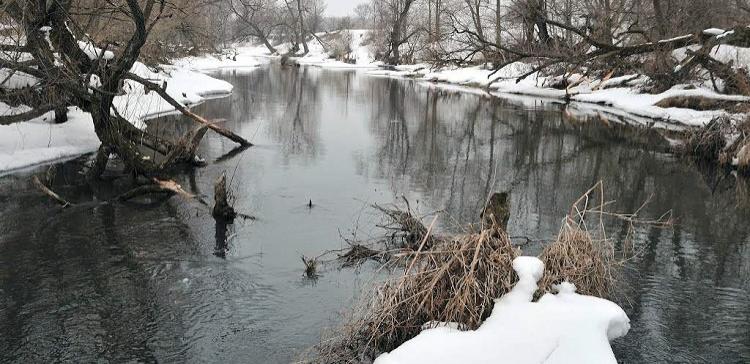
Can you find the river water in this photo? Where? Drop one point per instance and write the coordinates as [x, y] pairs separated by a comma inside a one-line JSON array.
[[125, 282]]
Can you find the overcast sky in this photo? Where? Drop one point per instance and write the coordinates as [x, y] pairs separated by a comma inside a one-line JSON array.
[[342, 7]]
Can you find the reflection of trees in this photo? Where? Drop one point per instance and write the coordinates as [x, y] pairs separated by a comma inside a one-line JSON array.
[[296, 128], [395, 139]]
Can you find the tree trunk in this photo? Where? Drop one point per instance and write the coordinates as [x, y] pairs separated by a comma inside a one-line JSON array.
[[429, 21], [264, 39], [498, 28], [302, 31], [437, 19], [540, 16], [661, 23]]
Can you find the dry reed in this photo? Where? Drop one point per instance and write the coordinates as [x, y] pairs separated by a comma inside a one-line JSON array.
[[454, 281]]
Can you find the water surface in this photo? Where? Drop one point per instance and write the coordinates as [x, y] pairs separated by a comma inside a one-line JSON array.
[[115, 282]]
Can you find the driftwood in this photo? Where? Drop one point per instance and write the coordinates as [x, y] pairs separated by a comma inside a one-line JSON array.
[[65, 203], [168, 187]]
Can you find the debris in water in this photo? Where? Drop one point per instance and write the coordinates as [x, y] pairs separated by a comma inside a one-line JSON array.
[[311, 267]]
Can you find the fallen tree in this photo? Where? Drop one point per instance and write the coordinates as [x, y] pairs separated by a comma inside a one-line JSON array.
[[629, 52]]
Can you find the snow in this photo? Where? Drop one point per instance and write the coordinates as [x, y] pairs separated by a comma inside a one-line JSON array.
[[13, 80], [206, 63], [559, 328], [318, 56], [713, 31], [184, 85], [39, 141], [93, 52]]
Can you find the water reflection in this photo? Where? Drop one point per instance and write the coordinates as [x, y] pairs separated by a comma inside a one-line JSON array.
[[343, 140]]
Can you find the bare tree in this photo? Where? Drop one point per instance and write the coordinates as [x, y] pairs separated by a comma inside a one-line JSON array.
[[69, 70], [257, 19]]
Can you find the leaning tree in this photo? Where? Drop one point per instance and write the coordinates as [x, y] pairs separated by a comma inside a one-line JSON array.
[[69, 69]]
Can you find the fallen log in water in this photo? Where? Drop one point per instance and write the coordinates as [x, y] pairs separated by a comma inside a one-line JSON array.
[[168, 187], [151, 86], [65, 203]]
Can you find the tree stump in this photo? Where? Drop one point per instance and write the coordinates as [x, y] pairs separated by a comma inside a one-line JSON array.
[[222, 210], [497, 211]]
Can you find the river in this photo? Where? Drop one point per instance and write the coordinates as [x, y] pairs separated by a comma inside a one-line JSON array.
[[125, 282]]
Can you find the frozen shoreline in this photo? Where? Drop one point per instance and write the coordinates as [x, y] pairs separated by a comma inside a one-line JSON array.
[[39, 141], [617, 96]]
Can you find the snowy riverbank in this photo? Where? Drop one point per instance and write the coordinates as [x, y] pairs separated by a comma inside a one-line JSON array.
[[40, 141], [618, 96], [37, 141]]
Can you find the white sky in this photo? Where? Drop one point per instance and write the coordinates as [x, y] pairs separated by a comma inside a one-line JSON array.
[[342, 7]]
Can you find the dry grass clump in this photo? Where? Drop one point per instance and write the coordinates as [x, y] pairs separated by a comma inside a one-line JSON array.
[[579, 259], [455, 281], [583, 254]]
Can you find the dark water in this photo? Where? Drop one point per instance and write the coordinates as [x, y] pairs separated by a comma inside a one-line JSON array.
[[113, 282]]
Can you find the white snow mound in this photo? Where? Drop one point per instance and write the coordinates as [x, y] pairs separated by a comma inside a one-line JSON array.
[[559, 328]]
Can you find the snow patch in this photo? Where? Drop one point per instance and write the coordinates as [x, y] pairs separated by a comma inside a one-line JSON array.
[[93, 52], [559, 328], [39, 140]]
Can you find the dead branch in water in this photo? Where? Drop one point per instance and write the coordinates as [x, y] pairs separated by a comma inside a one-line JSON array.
[[222, 207], [65, 203], [181, 108], [168, 187], [358, 253], [406, 226]]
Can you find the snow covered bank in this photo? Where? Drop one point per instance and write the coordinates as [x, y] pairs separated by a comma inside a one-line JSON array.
[[619, 95], [561, 328], [240, 57], [39, 140], [625, 99], [187, 86], [320, 55]]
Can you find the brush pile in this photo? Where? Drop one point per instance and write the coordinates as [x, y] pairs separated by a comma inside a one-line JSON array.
[[454, 280], [406, 230], [722, 141]]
